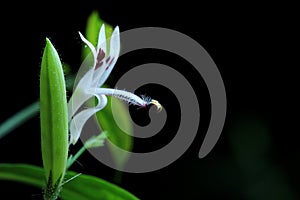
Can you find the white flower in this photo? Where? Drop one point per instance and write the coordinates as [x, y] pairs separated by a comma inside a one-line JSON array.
[[90, 83]]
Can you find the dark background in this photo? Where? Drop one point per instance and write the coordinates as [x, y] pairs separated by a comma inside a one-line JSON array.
[[257, 155]]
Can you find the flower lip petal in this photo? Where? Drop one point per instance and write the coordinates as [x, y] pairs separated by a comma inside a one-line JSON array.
[[80, 94], [75, 102], [79, 120]]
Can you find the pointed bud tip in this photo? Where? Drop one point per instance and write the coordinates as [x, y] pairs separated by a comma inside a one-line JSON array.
[[48, 42]]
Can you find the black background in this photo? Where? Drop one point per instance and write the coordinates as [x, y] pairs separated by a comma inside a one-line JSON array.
[[252, 46]]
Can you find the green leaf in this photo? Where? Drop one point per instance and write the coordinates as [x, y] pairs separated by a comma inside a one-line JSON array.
[[93, 26], [117, 136], [54, 116], [90, 187], [28, 174], [19, 118], [83, 187]]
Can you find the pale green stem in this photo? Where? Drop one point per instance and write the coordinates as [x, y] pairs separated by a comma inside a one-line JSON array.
[[72, 159]]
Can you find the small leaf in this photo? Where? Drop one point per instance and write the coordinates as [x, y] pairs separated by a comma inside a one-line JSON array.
[[54, 115], [96, 141], [83, 187]]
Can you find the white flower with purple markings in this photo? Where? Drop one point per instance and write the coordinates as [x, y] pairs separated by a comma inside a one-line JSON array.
[[89, 85]]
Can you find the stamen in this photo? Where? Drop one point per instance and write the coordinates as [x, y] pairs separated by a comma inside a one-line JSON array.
[[146, 99], [157, 104]]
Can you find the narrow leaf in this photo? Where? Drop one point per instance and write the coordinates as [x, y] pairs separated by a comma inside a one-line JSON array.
[[83, 187], [27, 174], [53, 114], [19, 118]]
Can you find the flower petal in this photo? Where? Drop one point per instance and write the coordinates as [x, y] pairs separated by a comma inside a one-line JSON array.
[[85, 81], [111, 59], [102, 101], [97, 76], [80, 94], [78, 98], [101, 48], [91, 46], [79, 120], [101, 40]]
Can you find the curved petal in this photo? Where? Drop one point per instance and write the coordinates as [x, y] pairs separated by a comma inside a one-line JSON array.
[[79, 120], [80, 94], [102, 101], [91, 46], [78, 98]]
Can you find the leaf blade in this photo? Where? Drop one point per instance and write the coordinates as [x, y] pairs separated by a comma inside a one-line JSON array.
[[82, 187], [119, 137], [19, 118]]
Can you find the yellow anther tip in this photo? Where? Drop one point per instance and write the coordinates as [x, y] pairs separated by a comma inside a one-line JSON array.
[[157, 104]]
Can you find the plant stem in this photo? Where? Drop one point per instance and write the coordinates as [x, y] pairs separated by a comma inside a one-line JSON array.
[[72, 159]]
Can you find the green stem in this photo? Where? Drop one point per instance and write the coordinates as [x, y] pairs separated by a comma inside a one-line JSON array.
[[19, 118], [72, 159]]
